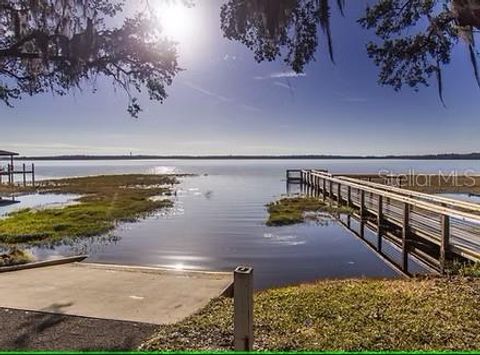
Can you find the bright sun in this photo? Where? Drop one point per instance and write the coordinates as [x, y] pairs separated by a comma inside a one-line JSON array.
[[177, 21]]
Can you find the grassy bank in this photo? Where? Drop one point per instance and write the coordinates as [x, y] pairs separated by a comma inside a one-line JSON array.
[[437, 184], [104, 202], [418, 314], [292, 210], [15, 257]]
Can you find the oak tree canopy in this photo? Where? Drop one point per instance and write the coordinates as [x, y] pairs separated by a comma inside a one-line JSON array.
[[59, 45]]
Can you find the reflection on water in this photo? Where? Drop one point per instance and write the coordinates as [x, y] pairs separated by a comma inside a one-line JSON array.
[[218, 222], [38, 201]]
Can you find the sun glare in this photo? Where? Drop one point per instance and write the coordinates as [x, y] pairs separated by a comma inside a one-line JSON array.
[[177, 21]]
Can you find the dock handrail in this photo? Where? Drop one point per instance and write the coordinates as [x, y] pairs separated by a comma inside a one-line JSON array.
[[428, 197], [464, 216]]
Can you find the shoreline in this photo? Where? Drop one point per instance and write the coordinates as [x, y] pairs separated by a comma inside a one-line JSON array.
[[441, 156]]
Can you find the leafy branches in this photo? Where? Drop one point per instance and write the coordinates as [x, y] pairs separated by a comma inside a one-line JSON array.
[[58, 45], [279, 28], [415, 37], [407, 58]]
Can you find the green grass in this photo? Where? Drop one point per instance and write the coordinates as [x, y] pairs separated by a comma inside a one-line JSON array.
[[105, 201], [15, 257], [291, 210], [346, 315]]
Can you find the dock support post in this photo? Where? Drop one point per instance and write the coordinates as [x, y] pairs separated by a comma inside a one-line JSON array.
[[349, 196], [362, 204], [405, 232], [243, 308], [324, 189], [33, 175], [444, 242], [24, 175], [9, 167], [380, 214], [330, 192], [339, 194]]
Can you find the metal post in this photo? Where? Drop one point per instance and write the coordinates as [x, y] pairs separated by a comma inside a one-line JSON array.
[[405, 232], [444, 242], [243, 308]]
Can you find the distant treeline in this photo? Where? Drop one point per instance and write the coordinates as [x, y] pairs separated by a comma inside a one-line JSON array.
[[447, 156]]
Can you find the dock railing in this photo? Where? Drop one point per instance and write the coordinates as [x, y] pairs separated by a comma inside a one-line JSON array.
[[452, 226], [10, 171]]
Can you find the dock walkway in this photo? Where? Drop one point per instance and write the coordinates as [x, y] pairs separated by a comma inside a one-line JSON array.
[[434, 227]]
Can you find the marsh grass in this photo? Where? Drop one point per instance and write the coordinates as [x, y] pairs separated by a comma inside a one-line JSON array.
[[291, 210], [463, 268], [105, 201], [342, 315], [15, 256]]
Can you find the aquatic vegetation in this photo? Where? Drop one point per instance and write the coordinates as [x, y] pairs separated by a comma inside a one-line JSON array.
[[463, 268], [15, 257], [292, 210], [342, 315], [105, 201]]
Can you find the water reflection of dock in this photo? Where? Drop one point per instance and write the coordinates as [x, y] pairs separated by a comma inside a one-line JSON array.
[[431, 229]]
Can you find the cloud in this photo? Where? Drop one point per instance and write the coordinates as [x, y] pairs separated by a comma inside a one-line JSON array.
[[349, 98], [221, 98], [355, 99], [207, 92], [250, 108], [282, 85], [278, 75], [229, 57], [56, 148]]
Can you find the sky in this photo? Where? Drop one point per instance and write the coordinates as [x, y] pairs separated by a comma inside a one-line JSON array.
[[224, 102]]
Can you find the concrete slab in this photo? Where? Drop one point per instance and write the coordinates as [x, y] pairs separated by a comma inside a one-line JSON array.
[[138, 294]]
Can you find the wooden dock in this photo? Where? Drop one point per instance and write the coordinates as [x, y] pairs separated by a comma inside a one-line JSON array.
[[27, 174], [431, 228]]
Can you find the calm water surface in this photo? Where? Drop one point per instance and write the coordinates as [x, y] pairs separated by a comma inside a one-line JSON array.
[[218, 221]]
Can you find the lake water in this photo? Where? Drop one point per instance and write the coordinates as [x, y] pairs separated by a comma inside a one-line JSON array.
[[218, 221]]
